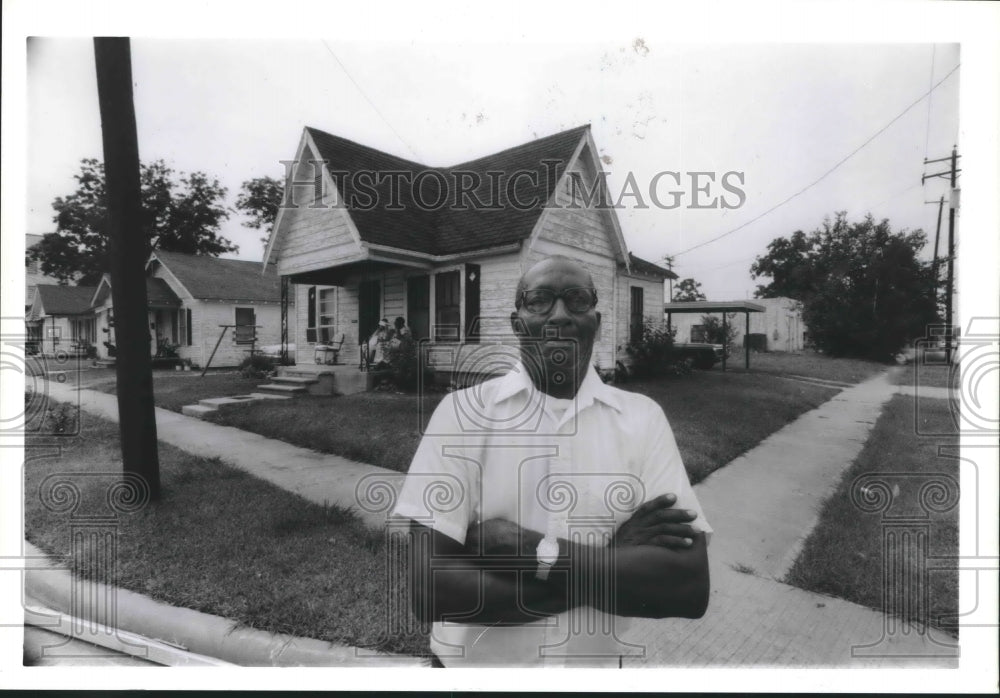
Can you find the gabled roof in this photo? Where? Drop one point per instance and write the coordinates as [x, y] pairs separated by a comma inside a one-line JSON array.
[[443, 229], [64, 300], [158, 292], [212, 278], [641, 266]]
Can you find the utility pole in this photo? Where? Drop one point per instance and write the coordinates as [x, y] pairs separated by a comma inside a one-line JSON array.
[[951, 259], [937, 239], [952, 174], [133, 367]]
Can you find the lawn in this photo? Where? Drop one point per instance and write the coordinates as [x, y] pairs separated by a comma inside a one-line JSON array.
[[174, 389], [715, 417], [843, 556], [226, 543], [809, 364], [929, 375]]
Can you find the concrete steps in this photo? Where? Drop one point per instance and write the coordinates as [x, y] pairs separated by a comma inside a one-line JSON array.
[[213, 404], [285, 388]]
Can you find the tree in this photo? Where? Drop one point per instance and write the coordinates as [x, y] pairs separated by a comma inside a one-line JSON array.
[[259, 199], [688, 290], [865, 292], [181, 212], [714, 333]]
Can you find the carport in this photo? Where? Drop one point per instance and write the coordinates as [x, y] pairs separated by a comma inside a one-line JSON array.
[[709, 307]]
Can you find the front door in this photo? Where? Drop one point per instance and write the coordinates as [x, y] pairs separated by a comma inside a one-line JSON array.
[[369, 308]]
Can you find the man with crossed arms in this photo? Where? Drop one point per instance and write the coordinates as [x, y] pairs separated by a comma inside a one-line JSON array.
[[568, 507]]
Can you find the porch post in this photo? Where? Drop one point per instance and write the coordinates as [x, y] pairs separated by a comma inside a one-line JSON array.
[[746, 341], [284, 320], [725, 343]]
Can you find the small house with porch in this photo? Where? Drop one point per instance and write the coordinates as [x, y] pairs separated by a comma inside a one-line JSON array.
[[198, 305], [364, 235], [59, 320]]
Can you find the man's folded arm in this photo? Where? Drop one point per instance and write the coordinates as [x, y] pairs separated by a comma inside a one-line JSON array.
[[450, 581]]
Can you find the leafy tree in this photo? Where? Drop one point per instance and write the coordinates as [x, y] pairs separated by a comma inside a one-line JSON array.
[[259, 199], [864, 290], [688, 290], [714, 333], [182, 212]]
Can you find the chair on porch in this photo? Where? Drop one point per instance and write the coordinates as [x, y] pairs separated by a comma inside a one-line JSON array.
[[327, 351]]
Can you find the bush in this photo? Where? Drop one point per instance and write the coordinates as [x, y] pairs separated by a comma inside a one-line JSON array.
[[652, 355], [257, 366], [62, 419], [404, 364]]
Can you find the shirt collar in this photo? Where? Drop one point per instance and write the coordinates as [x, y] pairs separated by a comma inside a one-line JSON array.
[[593, 388]]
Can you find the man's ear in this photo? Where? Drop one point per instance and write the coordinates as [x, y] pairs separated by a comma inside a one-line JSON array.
[[517, 325]]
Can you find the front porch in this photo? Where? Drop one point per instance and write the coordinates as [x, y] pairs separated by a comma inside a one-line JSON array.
[[317, 379]]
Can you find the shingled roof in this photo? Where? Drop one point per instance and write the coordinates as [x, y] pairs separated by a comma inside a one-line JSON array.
[[64, 300], [638, 264], [442, 229], [212, 278]]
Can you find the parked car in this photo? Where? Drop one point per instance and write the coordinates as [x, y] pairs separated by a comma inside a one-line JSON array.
[[698, 354]]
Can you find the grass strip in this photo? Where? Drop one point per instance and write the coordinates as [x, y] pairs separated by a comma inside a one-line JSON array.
[[844, 555], [223, 542]]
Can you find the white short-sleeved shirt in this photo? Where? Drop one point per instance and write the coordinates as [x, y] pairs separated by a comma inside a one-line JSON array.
[[577, 468]]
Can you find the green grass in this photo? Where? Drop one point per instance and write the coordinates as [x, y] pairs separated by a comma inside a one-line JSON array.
[[172, 390], [811, 365], [714, 417], [223, 542], [843, 556], [929, 376]]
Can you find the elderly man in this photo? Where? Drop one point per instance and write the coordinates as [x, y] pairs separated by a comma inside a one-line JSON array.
[[546, 507]]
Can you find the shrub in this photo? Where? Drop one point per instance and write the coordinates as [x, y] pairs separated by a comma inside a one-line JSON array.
[[257, 366], [404, 364], [62, 419], [652, 355]]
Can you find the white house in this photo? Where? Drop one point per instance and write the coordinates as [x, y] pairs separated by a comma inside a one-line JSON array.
[[358, 250], [59, 320], [194, 300], [778, 328]]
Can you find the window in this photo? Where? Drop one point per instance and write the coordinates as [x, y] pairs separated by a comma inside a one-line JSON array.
[[447, 308], [635, 315], [327, 305], [245, 321]]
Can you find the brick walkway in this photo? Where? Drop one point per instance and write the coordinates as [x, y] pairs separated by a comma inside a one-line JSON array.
[[762, 505]]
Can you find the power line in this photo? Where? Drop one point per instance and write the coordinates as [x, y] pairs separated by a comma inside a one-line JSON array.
[[930, 81], [367, 99], [827, 173]]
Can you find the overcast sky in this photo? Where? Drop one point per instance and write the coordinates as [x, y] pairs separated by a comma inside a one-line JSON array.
[[781, 114]]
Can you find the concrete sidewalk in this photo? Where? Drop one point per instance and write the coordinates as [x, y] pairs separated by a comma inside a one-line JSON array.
[[318, 477], [762, 506]]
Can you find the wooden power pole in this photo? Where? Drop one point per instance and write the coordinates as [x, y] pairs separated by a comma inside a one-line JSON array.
[[952, 174], [136, 416]]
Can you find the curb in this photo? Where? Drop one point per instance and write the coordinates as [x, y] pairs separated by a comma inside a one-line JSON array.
[[187, 629]]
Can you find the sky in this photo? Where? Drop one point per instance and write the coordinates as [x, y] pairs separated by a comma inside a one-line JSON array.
[[780, 114]]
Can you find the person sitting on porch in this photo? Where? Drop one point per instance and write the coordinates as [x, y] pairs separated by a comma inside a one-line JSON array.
[[401, 332], [377, 342]]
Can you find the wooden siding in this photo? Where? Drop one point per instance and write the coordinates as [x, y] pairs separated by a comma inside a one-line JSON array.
[[652, 302]]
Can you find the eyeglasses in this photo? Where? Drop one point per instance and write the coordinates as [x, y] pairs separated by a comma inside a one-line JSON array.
[[541, 300]]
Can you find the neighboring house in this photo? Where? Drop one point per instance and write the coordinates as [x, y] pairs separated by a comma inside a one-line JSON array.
[[450, 270], [60, 320], [33, 272], [190, 297], [779, 327]]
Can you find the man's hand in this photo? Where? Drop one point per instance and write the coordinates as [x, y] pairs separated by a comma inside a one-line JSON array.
[[501, 537], [657, 523]]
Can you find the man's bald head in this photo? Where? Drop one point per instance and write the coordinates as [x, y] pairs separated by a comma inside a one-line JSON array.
[[541, 269]]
